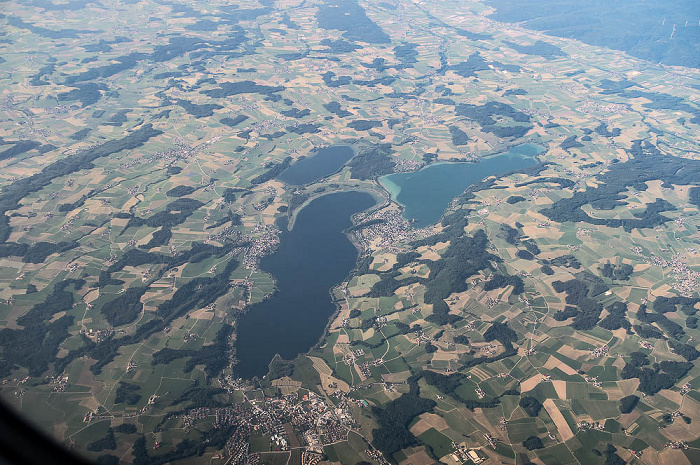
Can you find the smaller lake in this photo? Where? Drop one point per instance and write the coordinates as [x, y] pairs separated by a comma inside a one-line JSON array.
[[425, 194], [327, 161], [312, 258]]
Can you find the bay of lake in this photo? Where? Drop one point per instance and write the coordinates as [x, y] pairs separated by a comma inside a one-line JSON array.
[[327, 161], [425, 194]]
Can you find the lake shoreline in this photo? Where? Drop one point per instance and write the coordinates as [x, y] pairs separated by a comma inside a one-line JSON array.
[[424, 202], [312, 260], [382, 192]]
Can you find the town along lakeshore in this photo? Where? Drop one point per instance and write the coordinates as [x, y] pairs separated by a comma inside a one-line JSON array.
[[312, 258], [425, 194]]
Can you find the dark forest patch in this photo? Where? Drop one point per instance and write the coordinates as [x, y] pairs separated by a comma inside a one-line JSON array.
[[348, 16]]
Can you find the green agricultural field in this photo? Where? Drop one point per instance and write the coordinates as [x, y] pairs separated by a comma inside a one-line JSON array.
[[143, 147]]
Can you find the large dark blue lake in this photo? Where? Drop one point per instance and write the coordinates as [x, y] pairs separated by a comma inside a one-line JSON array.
[[425, 194], [312, 258], [327, 161]]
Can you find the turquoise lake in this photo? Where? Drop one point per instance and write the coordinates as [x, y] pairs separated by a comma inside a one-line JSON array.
[[425, 194]]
